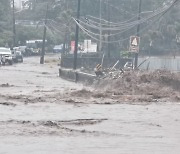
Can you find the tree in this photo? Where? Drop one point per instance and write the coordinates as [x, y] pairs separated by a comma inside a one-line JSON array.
[[163, 31], [5, 23]]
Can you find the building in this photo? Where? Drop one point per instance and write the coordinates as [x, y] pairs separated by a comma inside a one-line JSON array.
[[21, 4], [18, 3]]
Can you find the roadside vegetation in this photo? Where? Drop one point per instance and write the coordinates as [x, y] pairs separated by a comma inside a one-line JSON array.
[[159, 38]]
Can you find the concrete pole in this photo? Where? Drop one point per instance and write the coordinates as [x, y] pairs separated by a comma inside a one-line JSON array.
[[77, 36], [14, 26], [100, 26], [109, 32], [138, 29], [44, 39]]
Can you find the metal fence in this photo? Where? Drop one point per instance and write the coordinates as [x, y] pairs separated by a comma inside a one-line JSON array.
[[168, 63], [91, 62]]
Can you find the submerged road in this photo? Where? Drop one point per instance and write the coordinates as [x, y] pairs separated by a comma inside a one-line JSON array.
[[37, 116]]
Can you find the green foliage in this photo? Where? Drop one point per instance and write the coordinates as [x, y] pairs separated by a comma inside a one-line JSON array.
[[5, 26], [125, 54], [27, 33], [6, 38], [159, 36], [33, 33]]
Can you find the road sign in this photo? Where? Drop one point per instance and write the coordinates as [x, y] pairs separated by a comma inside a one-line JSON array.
[[134, 44], [72, 46], [87, 45]]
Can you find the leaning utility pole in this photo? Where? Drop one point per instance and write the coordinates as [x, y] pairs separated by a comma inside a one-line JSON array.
[[14, 26], [44, 39], [138, 29], [77, 36]]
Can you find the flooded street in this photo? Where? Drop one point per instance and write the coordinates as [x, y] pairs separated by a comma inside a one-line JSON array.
[[37, 115]]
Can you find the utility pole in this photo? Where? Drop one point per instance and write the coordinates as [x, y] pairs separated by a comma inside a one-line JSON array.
[[64, 41], [44, 39], [138, 29], [33, 3], [100, 33], [77, 36], [109, 20], [14, 26]]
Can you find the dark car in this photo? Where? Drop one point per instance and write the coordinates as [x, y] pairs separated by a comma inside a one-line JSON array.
[[58, 48]]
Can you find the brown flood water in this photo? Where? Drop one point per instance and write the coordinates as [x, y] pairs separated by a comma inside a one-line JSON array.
[[33, 120]]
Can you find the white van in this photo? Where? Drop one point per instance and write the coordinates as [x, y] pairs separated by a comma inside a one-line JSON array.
[[5, 56]]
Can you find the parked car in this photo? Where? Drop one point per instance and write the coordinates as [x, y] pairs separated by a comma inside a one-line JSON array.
[[58, 48], [5, 56], [17, 55], [22, 49]]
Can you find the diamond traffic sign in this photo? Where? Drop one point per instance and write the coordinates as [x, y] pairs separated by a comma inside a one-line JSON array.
[[134, 44]]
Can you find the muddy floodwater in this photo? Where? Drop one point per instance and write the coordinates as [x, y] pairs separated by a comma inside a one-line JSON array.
[[38, 116]]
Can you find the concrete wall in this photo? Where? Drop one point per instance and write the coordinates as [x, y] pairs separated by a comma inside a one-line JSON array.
[[76, 76]]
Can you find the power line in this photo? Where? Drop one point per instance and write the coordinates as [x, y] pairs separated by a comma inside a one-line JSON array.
[[121, 26], [109, 35], [141, 31]]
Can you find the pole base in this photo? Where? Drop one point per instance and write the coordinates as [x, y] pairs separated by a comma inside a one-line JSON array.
[[42, 60]]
